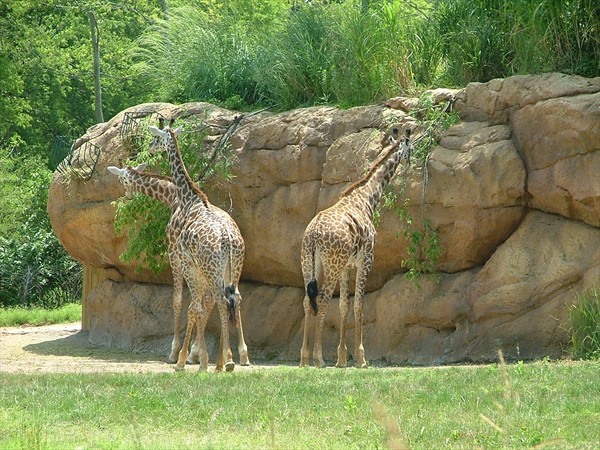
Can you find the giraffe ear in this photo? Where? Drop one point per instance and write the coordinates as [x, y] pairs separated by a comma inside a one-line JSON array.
[[178, 131], [116, 170], [141, 167], [158, 132]]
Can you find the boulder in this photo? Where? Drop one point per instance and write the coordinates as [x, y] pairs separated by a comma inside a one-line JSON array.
[[497, 99], [516, 302], [560, 143], [512, 190]]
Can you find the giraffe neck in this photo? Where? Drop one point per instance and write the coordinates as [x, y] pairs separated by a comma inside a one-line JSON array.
[[158, 187], [188, 192], [367, 192]]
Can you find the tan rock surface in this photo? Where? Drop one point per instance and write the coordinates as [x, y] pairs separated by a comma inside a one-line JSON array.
[[560, 142], [513, 192]]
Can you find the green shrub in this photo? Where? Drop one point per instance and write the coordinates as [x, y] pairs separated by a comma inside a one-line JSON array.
[[584, 316], [35, 270], [34, 267], [354, 52]]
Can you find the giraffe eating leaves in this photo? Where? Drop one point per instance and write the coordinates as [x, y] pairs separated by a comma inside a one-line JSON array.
[[338, 239], [163, 189], [206, 249]]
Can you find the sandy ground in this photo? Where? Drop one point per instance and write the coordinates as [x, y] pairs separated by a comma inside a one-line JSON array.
[[65, 348]]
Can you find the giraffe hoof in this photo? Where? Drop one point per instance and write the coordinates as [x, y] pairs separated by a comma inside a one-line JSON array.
[[173, 357], [229, 366], [179, 368], [193, 359]]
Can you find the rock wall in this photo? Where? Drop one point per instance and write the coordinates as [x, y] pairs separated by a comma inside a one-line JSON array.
[[513, 190]]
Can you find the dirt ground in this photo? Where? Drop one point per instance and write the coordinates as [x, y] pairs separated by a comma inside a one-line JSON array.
[[65, 348]]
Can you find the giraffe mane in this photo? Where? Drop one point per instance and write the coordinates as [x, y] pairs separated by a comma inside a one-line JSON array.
[[194, 186], [376, 166], [151, 174]]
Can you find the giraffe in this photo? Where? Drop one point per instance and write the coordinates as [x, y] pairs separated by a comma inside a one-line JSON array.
[[163, 189], [205, 251], [338, 239]]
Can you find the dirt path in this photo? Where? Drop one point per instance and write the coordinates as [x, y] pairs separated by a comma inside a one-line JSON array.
[[65, 348]]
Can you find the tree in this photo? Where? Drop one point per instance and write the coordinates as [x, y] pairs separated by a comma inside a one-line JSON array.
[[97, 82]]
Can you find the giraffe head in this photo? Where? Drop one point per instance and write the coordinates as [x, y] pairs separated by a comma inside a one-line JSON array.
[[125, 177], [162, 136], [406, 146]]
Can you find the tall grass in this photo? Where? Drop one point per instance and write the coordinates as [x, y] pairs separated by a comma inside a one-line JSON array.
[[584, 316], [355, 52], [193, 56], [298, 64]]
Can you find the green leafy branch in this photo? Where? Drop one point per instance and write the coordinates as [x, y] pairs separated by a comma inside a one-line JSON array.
[[144, 219], [424, 248]]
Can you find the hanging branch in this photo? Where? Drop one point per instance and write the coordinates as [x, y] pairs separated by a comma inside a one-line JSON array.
[[221, 143]]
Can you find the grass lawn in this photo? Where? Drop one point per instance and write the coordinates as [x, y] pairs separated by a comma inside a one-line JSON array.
[[13, 317], [552, 404]]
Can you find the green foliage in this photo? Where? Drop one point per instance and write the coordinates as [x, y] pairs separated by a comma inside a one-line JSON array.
[[46, 47], [486, 39], [144, 220], [24, 184], [354, 52], [584, 316], [424, 249], [298, 66], [434, 119], [34, 268], [197, 55]]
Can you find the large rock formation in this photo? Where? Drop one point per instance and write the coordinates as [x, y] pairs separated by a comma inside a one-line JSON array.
[[513, 190]]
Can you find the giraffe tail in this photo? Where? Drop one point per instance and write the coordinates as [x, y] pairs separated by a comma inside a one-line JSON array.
[[230, 295], [312, 291]]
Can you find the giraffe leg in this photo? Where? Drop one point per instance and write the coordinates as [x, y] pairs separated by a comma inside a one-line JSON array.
[[225, 350], [344, 308], [177, 300], [195, 350], [323, 300], [194, 357], [242, 347], [361, 279], [304, 352], [194, 314]]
